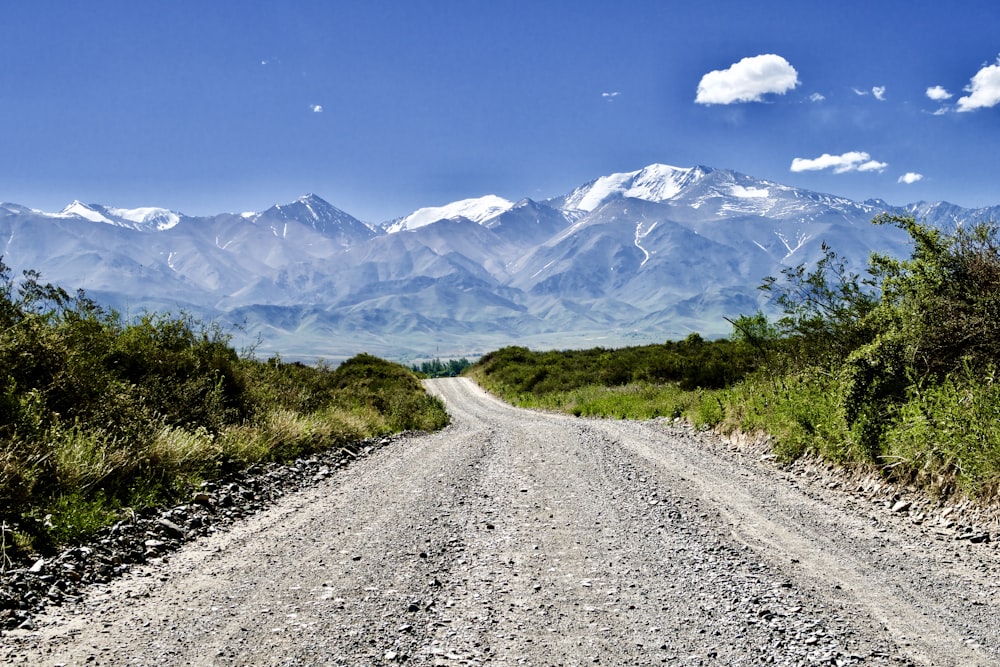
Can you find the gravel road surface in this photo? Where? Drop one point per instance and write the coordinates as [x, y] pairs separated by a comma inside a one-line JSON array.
[[524, 538]]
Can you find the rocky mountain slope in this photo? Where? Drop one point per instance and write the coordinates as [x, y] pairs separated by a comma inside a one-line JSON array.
[[627, 258]]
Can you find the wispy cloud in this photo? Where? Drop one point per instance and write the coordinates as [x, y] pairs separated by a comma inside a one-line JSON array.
[[748, 80], [817, 97], [938, 94], [878, 92], [983, 89], [840, 164], [610, 96], [910, 177], [316, 108]]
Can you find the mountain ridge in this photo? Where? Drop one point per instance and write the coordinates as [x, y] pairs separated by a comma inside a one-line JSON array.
[[629, 257]]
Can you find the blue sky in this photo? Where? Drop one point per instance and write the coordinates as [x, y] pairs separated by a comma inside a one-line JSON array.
[[384, 107]]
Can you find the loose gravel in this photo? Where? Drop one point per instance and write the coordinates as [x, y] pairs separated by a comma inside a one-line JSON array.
[[525, 538]]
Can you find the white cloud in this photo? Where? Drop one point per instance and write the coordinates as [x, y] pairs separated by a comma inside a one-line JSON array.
[[816, 97], [983, 89], [748, 80], [610, 96], [877, 91], [872, 165], [938, 93], [841, 164], [910, 177], [316, 108]]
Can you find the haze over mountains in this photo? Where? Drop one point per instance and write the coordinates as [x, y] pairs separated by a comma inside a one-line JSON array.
[[628, 258]]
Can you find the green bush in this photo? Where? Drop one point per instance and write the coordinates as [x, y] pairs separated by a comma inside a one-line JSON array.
[[98, 414], [691, 364], [673, 379], [441, 369], [910, 351]]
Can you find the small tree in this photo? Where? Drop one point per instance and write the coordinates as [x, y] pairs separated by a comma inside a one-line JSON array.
[[943, 302], [826, 310]]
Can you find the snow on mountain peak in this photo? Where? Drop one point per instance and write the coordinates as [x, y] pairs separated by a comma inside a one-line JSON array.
[[147, 217], [313, 210], [655, 183], [319, 214], [478, 210], [742, 192], [81, 210], [312, 203]]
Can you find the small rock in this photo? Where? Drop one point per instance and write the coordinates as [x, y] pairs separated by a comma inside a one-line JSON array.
[[974, 538], [171, 528], [154, 544], [901, 506]]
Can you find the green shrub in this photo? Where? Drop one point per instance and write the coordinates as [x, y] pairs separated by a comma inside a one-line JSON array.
[[911, 352], [947, 434], [98, 414]]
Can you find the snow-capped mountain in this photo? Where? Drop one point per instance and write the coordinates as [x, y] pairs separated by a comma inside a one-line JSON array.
[[632, 257], [322, 216], [655, 183], [148, 218], [477, 210]]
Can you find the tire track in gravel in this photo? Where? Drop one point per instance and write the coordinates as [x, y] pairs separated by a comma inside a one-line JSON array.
[[517, 537], [922, 604]]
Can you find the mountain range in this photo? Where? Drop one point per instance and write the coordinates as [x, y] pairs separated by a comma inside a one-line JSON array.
[[627, 258]]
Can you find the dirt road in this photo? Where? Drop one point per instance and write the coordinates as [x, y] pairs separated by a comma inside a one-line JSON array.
[[514, 537]]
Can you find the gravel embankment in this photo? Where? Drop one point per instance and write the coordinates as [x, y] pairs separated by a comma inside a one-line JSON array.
[[515, 537]]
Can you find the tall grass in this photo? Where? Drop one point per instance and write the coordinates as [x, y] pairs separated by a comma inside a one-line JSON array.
[[947, 435], [799, 410]]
